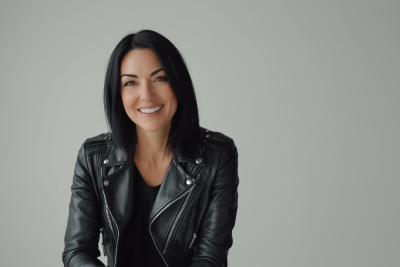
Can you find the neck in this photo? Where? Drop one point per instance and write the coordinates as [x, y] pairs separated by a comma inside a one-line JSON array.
[[150, 146]]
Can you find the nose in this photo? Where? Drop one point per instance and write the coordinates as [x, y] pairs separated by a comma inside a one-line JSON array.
[[147, 93]]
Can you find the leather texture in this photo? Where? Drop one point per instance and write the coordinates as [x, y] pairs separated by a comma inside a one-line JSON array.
[[192, 217]]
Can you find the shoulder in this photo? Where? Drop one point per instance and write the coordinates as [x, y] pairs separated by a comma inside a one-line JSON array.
[[97, 144], [216, 140], [224, 156]]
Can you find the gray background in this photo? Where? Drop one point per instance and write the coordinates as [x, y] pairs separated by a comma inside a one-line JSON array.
[[309, 91]]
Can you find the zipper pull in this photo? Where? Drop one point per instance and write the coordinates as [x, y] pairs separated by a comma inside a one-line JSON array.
[[193, 238]]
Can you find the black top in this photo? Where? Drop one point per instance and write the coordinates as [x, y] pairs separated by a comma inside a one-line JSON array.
[[145, 252]]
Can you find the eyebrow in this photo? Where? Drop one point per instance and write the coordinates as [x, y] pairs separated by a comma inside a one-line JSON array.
[[135, 76]]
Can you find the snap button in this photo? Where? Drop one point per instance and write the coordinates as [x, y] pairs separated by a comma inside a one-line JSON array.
[[199, 160], [189, 181], [207, 135], [106, 161], [106, 183]]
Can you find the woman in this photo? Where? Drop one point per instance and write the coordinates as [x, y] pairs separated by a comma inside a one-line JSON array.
[[161, 189]]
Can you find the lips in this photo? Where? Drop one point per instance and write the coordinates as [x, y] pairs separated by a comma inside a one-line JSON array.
[[151, 110]]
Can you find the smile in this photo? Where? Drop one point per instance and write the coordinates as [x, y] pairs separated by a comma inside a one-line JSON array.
[[150, 110]]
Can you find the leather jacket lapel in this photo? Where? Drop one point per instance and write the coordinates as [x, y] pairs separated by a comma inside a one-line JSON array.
[[114, 156], [119, 193], [173, 185]]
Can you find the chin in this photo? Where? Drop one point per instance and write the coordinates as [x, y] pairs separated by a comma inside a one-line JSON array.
[[151, 127]]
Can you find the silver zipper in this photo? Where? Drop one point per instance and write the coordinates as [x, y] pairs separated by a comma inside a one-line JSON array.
[[116, 245], [177, 219], [108, 213], [155, 217], [191, 242], [108, 218]]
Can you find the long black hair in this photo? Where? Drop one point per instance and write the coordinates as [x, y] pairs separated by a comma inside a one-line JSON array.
[[184, 132]]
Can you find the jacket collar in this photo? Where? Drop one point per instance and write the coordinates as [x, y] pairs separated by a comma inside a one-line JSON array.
[[116, 156]]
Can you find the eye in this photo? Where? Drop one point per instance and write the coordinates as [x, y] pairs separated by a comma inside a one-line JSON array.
[[129, 83], [161, 79]]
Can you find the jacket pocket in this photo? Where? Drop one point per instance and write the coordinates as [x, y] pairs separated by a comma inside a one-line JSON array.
[[189, 235]]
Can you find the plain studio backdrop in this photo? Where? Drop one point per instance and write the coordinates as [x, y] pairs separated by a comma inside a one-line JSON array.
[[308, 90]]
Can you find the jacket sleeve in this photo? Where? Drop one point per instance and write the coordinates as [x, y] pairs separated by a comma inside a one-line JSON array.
[[83, 226], [215, 233]]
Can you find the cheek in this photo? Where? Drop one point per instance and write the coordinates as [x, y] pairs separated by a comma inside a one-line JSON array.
[[128, 100]]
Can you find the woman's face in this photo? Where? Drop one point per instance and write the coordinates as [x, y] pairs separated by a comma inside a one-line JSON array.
[[147, 97]]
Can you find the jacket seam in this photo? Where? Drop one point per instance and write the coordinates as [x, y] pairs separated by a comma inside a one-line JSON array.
[[222, 156]]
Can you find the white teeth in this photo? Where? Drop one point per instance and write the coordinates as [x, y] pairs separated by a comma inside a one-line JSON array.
[[152, 110]]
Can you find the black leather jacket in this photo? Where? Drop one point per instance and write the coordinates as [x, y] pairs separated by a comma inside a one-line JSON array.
[[192, 217]]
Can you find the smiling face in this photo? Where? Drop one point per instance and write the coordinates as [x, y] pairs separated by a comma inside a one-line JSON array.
[[147, 97]]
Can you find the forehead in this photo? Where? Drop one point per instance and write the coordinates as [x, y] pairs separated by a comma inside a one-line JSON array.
[[139, 61]]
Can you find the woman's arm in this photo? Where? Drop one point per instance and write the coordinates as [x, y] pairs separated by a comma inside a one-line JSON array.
[[215, 233], [83, 226]]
